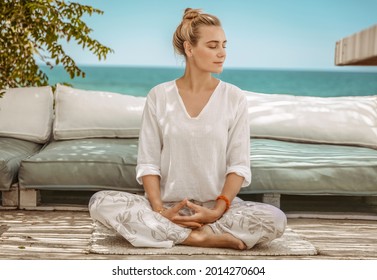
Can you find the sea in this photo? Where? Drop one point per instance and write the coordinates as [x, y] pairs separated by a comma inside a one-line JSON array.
[[138, 81]]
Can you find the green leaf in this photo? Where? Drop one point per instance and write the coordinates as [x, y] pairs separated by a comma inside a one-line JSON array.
[[33, 29]]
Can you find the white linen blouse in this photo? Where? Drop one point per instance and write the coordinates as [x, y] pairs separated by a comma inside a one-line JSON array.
[[192, 156]]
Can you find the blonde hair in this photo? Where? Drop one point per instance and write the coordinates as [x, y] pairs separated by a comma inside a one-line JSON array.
[[188, 29]]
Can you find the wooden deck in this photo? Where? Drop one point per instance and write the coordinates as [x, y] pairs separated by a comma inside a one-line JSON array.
[[346, 230]]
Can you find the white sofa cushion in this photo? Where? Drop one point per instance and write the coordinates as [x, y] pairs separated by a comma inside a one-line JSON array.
[[96, 114], [334, 120], [27, 113]]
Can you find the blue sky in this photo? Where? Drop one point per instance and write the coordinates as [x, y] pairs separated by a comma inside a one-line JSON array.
[[287, 34]]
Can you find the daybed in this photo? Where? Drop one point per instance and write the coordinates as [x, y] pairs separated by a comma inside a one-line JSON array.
[[25, 126], [299, 145]]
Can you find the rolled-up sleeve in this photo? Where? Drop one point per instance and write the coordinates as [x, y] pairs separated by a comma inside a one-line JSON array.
[[238, 149], [150, 143]]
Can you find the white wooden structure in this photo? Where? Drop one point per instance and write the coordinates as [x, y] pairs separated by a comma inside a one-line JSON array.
[[358, 49]]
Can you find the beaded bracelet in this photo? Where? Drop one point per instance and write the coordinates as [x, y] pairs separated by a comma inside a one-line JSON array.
[[227, 202]]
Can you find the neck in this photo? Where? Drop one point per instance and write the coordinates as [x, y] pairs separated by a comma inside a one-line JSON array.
[[196, 80]]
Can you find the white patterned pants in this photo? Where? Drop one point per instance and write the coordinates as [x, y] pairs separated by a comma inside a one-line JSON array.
[[131, 216]]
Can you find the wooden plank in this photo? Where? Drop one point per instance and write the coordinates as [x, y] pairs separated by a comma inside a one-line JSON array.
[[22, 247], [56, 207], [28, 198], [271, 198], [332, 215], [10, 198], [3, 228], [358, 49]]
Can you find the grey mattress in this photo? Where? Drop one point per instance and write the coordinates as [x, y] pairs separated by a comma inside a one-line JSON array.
[[12, 151], [277, 167]]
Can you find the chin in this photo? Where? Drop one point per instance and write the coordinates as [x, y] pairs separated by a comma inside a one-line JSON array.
[[218, 71]]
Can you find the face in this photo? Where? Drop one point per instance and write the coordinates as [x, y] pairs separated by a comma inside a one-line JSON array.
[[209, 53]]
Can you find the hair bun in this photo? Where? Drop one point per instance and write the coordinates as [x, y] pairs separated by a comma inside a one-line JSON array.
[[190, 14], [188, 29]]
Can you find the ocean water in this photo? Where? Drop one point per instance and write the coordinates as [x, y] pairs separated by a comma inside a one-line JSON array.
[[138, 81]]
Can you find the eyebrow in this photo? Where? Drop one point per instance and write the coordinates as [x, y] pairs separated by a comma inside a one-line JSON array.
[[215, 41]]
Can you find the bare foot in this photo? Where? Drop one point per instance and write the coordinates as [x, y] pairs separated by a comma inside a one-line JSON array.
[[205, 237]]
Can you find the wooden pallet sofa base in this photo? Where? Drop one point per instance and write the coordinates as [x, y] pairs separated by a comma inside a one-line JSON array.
[[31, 199], [10, 198], [371, 200], [271, 198]]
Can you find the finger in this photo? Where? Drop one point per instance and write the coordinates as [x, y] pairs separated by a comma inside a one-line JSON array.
[[180, 219], [190, 224], [179, 205], [193, 206]]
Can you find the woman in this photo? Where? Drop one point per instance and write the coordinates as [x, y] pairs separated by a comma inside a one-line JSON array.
[[193, 158]]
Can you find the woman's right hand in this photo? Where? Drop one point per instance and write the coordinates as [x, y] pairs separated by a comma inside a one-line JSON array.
[[173, 213]]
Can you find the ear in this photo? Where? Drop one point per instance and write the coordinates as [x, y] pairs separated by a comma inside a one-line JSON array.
[[188, 48]]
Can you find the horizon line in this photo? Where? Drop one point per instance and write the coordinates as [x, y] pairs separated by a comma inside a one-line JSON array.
[[370, 69]]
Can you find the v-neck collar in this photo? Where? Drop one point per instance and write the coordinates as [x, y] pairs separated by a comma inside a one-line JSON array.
[[205, 106]]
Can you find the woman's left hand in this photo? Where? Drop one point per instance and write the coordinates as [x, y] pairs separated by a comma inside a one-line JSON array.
[[203, 215]]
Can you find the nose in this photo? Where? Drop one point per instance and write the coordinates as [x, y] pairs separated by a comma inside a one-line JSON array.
[[221, 53]]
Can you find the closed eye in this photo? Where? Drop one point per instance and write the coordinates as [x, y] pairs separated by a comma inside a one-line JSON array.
[[216, 44]]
